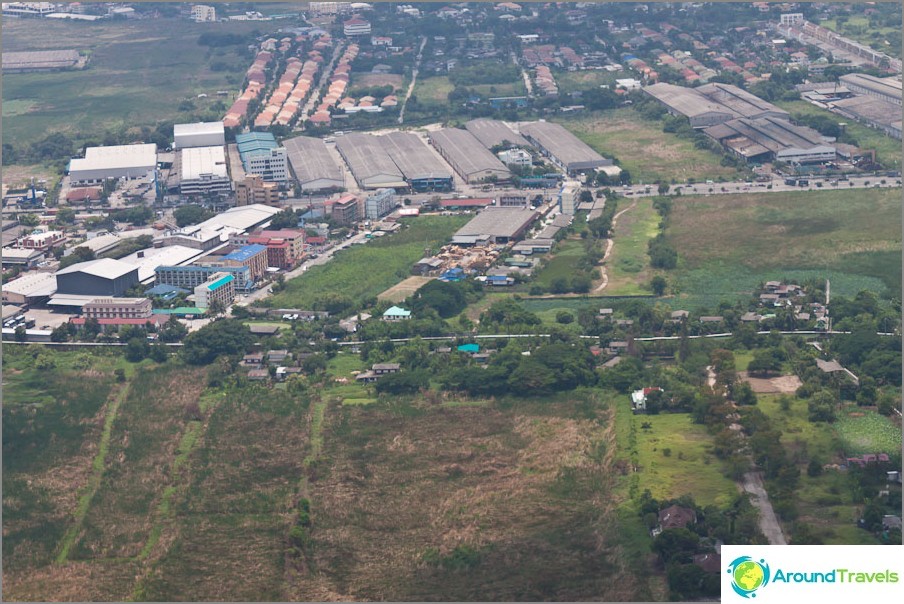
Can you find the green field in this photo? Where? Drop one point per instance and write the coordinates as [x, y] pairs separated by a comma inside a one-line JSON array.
[[433, 90], [562, 264], [363, 271], [888, 150], [867, 432], [850, 237], [628, 265], [885, 39], [571, 81], [643, 149], [501, 89], [137, 75]]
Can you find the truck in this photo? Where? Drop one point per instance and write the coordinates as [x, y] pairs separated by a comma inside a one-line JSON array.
[[791, 181]]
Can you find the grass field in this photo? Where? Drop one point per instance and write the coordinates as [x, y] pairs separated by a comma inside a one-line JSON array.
[[364, 271], [433, 90], [888, 150], [673, 457], [515, 88], [643, 149], [466, 502], [852, 238], [153, 70], [570, 81], [867, 432], [629, 265], [562, 264]]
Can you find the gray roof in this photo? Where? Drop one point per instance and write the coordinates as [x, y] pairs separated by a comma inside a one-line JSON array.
[[738, 100], [687, 101], [369, 162], [769, 133], [498, 222], [413, 157], [890, 87], [467, 155], [568, 149], [104, 267], [829, 366], [311, 161], [493, 132], [872, 109]]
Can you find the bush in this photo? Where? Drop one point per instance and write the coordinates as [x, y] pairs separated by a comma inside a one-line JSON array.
[[564, 317]]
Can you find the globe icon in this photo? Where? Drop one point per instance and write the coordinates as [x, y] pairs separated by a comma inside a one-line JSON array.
[[748, 575]]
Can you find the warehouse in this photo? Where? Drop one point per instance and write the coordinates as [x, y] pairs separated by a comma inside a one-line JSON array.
[[369, 163], [241, 219], [886, 89], [740, 101], [421, 168], [261, 155], [203, 171], [314, 167], [496, 225], [39, 60], [563, 147], [468, 156], [493, 133], [712, 104], [769, 138], [104, 277], [200, 134], [872, 111], [148, 260], [29, 288], [119, 161]]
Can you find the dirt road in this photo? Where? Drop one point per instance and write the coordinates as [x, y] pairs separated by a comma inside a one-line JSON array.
[[609, 244]]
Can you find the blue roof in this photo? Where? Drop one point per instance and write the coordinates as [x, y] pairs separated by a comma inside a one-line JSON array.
[[469, 348], [220, 282], [396, 311], [205, 269], [246, 252], [497, 278], [163, 289]]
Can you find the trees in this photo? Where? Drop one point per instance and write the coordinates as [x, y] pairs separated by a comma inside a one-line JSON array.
[[821, 406], [223, 337], [79, 254], [137, 349], [662, 254], [191, 214], [658, 284], [405, 382]]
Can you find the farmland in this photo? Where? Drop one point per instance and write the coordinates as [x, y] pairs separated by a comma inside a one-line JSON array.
[[363, 272], [643, 149], [854, 240], [142, 61], [868, 432]]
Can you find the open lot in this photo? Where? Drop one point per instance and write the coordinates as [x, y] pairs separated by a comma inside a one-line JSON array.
[[363, 271], [628, 266], [864, 431], [153, 72], [570, 81], [377, 79], [400, 291], [433, 90], [643, 149], [854, 240]]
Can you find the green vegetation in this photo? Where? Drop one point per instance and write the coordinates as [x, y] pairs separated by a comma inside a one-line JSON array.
[[868, 432], [643, 149], [562, 265], [361, 272], [628, 266], [433, 90]]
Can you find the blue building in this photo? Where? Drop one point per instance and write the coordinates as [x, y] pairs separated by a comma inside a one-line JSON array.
[[452, 274], [262, 155], [190, 277]]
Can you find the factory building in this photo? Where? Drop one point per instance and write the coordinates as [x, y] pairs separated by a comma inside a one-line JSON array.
[[493, 133], [261, 155], [496, 225], [380, 204], [563, 147], [871, 111], [104, 277], [202, 172], [468, 156], [313, 165], [766, 139], [200, 134], [421, 168], [886, 89], [370, 164], [220, 288], [119, 161], [712, 104]]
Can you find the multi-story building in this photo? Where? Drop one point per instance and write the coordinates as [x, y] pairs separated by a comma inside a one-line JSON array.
[[118, 308], [195, 237], [513, 201], [285, 247], [380, 204], [253, 256], [42, 241], [219, 288], [356, 27], [202, 13], [253, 189], [261, 155], [515, 157], [345, 210], [203, 172], [190, 277]]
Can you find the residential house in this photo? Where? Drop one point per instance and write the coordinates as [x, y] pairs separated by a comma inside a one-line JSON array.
[[639, 399], [396, 313], [385, 368], [674, 516]]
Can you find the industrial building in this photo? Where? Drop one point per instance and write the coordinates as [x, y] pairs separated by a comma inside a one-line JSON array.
[[380, 204], [202, 172], [496, 225], [195, 237], [370, 164], [886, 89], [190, 277], [313, 165], [493, 133], [468, 156], [872, 111], [712, 104], [29, 288], [261, 155], [421, 168], [104, 277], [199, 134], [236, 220], [149, 259], [118, 308], [21, 257], [563, 147], [219, 288], [768, 138], [118, 161]]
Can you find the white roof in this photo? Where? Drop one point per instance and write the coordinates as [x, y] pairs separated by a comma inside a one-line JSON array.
[[104, 267], [137, 233], [198, 128], [171, 255], [116, 156], [241, 218], [206, 161], [15, 252], [98, 244], [32, 284], [77, 300]]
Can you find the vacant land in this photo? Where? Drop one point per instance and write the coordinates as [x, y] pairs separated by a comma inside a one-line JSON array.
[[563, 264], [888, 150], [376, 79], [153, 71], [465, 502], [363, 271], [643, 149], [433, 90], [400, 291], [628, 266], [868, 432], [852, 239], [570, 81]]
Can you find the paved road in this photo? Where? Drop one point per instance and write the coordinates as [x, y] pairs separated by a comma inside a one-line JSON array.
[[778, 186], [315, 94], [752, 484]]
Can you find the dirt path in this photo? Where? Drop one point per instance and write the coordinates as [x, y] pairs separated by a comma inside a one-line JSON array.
[[609, 245]]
